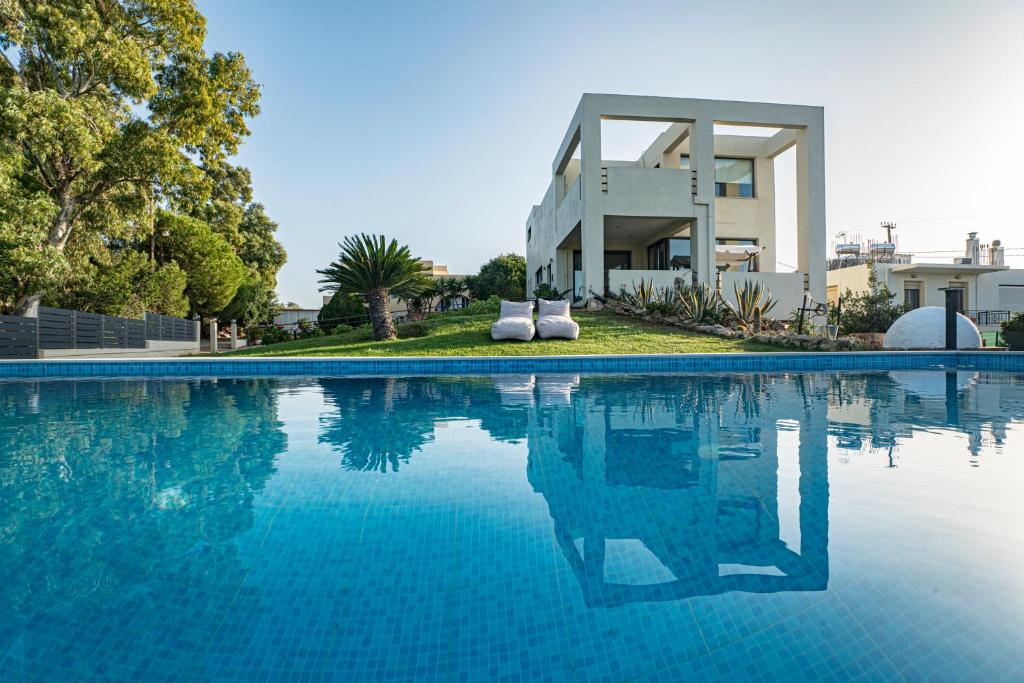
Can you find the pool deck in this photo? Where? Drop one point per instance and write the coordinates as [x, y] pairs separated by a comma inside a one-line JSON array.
[[484, 365]]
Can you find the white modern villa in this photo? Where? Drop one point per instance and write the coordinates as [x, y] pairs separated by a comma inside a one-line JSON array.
[[696, 204]]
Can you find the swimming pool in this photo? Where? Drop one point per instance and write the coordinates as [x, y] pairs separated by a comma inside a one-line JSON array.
[[517, 526]]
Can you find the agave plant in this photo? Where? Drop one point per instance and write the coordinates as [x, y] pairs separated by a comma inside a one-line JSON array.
[[753, 303], [700, 305], [639, 298]]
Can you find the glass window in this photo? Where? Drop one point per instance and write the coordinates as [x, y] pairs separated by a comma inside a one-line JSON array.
[[577, 275], [912, 295], [733, 177], [538, 277], [679, 253], [672, 253], [657, 256], [613, 260]]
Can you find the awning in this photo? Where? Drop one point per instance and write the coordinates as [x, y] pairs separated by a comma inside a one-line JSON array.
[[728, 254]]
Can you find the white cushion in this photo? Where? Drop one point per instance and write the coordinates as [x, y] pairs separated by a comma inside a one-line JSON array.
[[516, 309], [557, 326], [513, 328], [545, 307]]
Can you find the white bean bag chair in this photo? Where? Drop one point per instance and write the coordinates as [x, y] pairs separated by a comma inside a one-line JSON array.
[[553, 321], [514, 322]]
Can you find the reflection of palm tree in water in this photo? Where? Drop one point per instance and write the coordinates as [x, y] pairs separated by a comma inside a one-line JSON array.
[[378, 422]]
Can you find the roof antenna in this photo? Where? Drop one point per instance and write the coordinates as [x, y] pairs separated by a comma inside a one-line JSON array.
[[888, 226]]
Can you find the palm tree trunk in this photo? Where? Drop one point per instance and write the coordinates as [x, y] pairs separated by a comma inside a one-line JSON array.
[[379, 302]]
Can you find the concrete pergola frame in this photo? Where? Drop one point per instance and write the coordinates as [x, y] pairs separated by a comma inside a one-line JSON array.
[[695, 119]]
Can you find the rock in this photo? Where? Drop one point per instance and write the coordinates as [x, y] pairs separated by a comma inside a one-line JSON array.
[[594, 304]]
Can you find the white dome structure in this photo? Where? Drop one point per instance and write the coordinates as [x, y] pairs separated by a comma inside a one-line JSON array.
[[925, 328]]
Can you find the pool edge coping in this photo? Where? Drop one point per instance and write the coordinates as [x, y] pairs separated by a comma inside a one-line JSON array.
[[194, 366]]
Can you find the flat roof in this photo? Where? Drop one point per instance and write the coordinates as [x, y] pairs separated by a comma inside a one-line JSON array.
[[965, 268]]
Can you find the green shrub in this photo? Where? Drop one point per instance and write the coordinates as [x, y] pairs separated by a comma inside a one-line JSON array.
[[489, 306], [342, 329], [546, 291], [870, 311], [275, 335], [343, 310], [662, 307], [1014, 324], [412, 330]]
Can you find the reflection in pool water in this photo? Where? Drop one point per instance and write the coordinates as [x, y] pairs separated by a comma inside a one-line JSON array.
[[548, 526]]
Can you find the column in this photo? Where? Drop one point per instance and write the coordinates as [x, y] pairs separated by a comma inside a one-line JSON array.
[[592, 227], [814, 491], [234, 335], [810, 207], [213, 336], [702, 233]]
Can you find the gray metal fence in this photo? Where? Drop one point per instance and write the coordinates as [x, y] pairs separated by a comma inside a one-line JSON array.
[[57, 328], [18, 338]]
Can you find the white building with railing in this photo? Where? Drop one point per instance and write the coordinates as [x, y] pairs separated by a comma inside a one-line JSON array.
[[695, 204], [989, 291]]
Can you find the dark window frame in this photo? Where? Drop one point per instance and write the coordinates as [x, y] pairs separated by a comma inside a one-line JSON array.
[[753, 174]]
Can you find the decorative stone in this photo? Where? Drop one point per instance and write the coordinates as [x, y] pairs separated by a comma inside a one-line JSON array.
[[594, 305], [925, 328]]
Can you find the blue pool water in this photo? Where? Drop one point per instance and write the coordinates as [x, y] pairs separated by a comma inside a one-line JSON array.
[[836, 525]]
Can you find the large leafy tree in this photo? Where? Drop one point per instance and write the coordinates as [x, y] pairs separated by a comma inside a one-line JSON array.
[[214, 271], [377, 269], [255, 303], [113, 107], [503, 276]]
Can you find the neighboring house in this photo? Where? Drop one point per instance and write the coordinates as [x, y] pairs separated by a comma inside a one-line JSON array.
[[292, 316], [695, 205], [990, 289], [400, 309]]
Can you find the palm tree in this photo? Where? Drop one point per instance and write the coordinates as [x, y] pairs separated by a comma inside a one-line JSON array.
[[448, 288], [377, 269]]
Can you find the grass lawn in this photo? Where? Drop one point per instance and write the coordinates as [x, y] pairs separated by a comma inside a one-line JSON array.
[[600, 333]]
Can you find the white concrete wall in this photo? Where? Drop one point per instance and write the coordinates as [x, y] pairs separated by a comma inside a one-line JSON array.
[[661, 279], [1002, 291], [786, 288], [154, 349]]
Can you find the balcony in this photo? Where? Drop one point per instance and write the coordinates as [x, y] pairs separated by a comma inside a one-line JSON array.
[[653, 192], [570, 211]]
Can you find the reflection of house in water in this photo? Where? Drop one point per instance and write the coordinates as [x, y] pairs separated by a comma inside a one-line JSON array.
[[681, 471], [876, 411]]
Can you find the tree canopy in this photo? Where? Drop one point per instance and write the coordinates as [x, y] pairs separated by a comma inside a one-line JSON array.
[[503, 276], [112, 113]]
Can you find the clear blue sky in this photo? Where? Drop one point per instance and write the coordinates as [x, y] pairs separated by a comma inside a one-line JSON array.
[[436, 123]]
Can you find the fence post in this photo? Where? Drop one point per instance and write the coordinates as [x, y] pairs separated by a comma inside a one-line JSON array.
[[74, 329], [213, 336], [234, 335], [196, 336]]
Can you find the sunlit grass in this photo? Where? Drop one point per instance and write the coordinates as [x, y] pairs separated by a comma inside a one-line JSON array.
[[600, 334]]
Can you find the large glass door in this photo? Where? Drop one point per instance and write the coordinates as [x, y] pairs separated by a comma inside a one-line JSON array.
[[613, 260]]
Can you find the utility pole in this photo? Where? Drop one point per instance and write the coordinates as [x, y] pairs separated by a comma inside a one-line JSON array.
[[888, 226]]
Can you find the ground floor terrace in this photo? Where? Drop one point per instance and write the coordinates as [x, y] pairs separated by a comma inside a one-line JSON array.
[[658, 252]]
